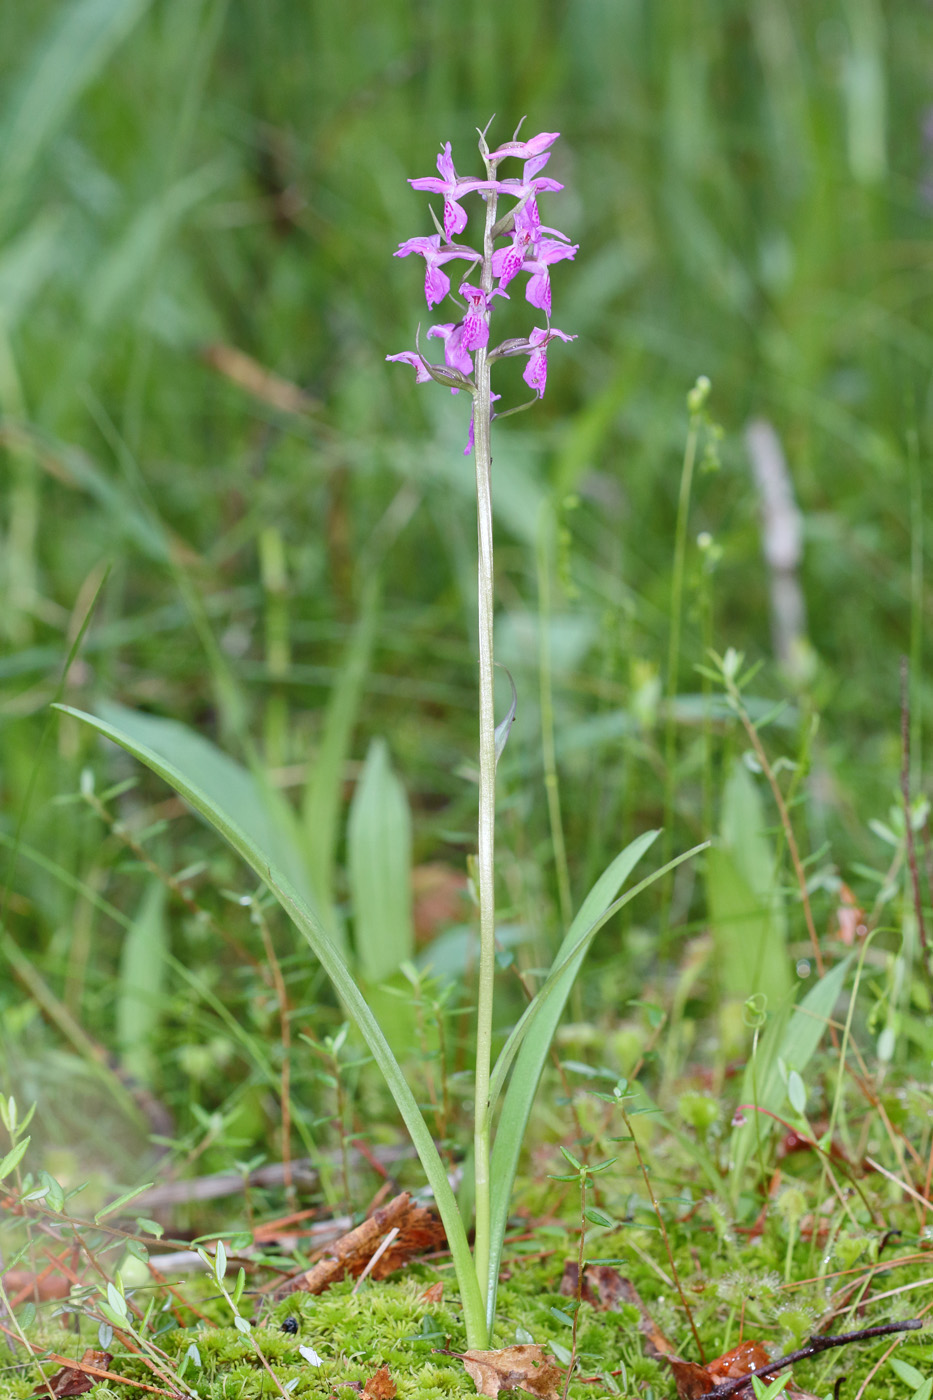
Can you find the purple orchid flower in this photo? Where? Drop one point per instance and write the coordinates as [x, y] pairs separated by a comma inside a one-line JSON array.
[[536, 257], [476, 323], [535, 372], [408, 357], [452, 188], [531, 183], [436, 283], [456, 354], [526, 149]]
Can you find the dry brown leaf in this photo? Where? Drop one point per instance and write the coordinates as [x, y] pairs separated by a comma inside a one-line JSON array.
[[22, 1284], [417, 1228], [434, 1294], [693, 1381], [381, 1386], [514, 1368], [606, 1289], [71, 1380], [740, 1361]]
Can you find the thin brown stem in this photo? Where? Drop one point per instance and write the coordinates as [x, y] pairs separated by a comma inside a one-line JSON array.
[[664, 1235]]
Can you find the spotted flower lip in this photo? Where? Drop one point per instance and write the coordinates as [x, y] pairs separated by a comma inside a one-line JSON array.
[[436, 283], [535, 372], [453, 188], [535, 260]]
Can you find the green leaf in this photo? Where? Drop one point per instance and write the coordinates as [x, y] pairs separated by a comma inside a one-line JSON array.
[[599, 1217], [746, 910], [528, 1045], [793, 1040], [322, 797], [315, 935], [259, 811], [121, 1201], [379, 867], [797, 1092], [142, 976], [13, 1157], [907, 1373]]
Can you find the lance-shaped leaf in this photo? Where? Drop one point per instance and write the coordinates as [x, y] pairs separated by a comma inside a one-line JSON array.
[[311, 929]]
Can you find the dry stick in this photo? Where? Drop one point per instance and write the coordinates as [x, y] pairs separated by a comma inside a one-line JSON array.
[[908, 825], [667, 1244], [813, 1348]]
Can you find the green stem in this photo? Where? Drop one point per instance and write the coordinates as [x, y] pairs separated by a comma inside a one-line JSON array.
[[482, 451], [673, 655]]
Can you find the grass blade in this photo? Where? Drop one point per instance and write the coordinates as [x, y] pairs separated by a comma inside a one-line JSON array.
[[321, 805], [74, 49]]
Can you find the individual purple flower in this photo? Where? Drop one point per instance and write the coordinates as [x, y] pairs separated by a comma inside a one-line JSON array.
[[531, 183], [535, 372], [436, 283], [475, 323], [542, 253], [409, 357], [526, 149], [456, 355], [453, 189]]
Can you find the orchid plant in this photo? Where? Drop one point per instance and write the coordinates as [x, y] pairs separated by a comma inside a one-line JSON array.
[[513, 244]]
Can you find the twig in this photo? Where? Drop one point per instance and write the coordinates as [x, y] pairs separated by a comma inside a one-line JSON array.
[[813, 1348]]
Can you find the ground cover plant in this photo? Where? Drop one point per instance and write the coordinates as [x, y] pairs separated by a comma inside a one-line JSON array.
[[223, 510]]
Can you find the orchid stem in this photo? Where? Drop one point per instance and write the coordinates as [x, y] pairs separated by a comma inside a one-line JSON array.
[[482, 410]]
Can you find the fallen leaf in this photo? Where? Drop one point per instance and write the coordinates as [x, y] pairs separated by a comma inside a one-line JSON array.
[[434, 1294], [417, 1228], [606, 1290], [381, 1386], [692, 1380], [23, 1284], [740, 1361], [514, 1368], [71, 1380]]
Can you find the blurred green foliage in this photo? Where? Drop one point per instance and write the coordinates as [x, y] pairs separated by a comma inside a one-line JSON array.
[[751, 186]]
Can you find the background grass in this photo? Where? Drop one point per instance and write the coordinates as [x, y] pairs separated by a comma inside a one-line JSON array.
[[750, 186]]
